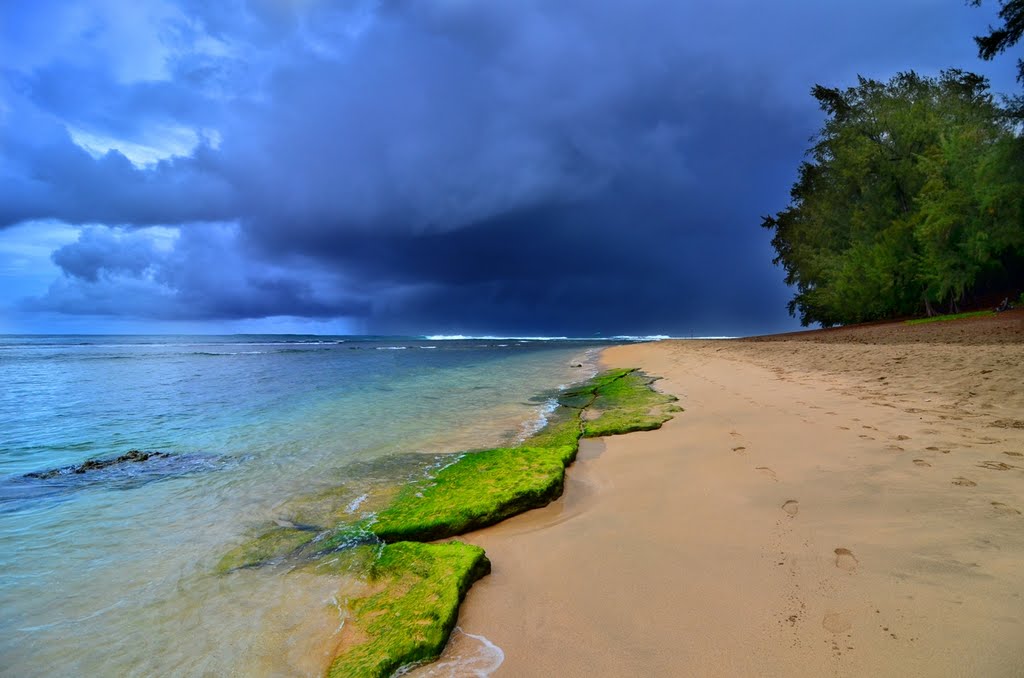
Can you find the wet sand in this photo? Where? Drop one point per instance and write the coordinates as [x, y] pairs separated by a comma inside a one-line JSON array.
[[840, 503]]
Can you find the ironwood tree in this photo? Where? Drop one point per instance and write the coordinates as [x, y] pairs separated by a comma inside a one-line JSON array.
[[1001, 38], [912, 197]]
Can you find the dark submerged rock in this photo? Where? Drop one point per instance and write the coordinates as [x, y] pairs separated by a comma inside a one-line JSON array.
[[128, 471], [131, 457]]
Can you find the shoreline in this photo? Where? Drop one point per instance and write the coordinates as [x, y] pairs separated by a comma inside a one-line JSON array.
[[412, 589], [823, 506], [368, 420]]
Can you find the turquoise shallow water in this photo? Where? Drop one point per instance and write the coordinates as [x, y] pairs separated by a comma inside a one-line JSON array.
[[110, 572]]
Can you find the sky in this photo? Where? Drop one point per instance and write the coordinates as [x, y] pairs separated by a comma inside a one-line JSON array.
[[513, 167]]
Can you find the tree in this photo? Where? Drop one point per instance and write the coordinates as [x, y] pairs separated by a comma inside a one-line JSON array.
[[1000, 39], [912, 194], [971, 211]]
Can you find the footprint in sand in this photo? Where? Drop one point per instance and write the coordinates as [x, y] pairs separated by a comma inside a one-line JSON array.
[[845, 560], [1015, 454], [768, 472], [921, 462], [1005, 510], [995, 466], [739, 448], [964, 482], [1008, 423], [902, 437], [836, 622], [791, 507]]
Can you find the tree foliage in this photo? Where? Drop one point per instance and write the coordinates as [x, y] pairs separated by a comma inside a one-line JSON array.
[[912, 196], [1001, 38]]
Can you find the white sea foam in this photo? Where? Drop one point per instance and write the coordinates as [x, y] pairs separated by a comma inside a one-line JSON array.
[[467, 654], [342, 609], [443, 463], [354, 505], [641, 337], [463, 337], [391, 348], [531, 427]]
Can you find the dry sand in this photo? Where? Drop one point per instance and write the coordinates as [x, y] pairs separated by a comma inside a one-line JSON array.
[[842, 503]]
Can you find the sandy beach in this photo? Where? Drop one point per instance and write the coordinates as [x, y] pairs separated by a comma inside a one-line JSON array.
[[838, 503]]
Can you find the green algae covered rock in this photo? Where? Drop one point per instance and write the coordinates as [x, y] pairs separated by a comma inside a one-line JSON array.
[[411, 610], [467, 491], [628, 403], [480, 489], [416, 588]]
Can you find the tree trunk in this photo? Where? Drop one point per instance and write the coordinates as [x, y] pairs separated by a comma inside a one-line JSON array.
[[928, 307]]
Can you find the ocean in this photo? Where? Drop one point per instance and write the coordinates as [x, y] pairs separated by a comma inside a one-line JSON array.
[[110, 572]]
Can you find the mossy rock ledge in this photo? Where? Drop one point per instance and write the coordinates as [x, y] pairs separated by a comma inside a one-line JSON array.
[[426, 582], [406, 619]]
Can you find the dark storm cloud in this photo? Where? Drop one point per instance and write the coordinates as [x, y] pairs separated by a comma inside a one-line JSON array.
[[44, 174], [201, 273], [565, 167]]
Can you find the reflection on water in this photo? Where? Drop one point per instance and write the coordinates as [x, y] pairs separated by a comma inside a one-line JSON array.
[[111, 574]]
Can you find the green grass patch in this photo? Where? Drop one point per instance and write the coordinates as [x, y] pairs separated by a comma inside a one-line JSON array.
[[412, 609], [950, 316]]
